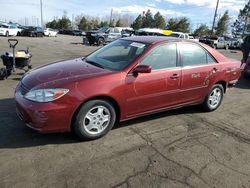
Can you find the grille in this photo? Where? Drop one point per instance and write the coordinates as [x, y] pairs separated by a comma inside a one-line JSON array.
[[23, 89]]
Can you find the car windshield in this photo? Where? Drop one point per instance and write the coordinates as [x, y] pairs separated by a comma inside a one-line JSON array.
[[116, 55]]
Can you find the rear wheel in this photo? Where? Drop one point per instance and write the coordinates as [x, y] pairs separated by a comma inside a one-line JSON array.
[[100, 41], [7, 33], [214, 98], [227, 47], [94, 119]]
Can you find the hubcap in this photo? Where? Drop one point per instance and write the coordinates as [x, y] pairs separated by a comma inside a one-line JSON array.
[[214, 98], [96, 120]]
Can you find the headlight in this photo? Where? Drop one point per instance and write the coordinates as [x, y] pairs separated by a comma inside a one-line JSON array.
[[45, 95]]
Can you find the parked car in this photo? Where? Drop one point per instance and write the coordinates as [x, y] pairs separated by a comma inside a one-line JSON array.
[[128, 78], [150, 32], [236, 43], [9, 30], [179, 35], [217, 42], [104, 35], [32, 31], [50, 32]]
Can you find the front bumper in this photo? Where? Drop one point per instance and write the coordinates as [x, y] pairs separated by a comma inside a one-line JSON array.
[[43, 117]]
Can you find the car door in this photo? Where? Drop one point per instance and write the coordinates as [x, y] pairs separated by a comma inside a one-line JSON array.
[[199, 70], [158, 89]]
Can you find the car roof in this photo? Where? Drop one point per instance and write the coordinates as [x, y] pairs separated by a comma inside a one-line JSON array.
[[154, 39]]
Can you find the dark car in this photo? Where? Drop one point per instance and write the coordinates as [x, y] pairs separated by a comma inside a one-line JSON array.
[[32, 31], [128, 78], [105, 35]]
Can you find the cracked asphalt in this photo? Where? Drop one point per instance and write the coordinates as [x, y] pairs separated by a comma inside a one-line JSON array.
[[179, 148]]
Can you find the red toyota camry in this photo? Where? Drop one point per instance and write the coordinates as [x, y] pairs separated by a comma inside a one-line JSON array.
[[128, 78]]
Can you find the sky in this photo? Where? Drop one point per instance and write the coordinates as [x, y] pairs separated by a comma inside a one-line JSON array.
[[198, 11]]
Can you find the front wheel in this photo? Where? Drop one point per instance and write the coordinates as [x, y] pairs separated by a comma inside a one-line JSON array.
[[7, 33], [95, 119], [214, 98], [100, 41]]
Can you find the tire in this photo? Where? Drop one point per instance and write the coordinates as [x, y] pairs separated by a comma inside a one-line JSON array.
[[18, 34], [214, 98], [100, 41], [94, 119], [214, 46], [227, 47], [7, 33]]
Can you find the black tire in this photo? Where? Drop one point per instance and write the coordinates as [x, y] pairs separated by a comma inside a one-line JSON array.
[[207, 102], [100, 41], [92, 107], [18, 33], [215, 46], [7, 33]]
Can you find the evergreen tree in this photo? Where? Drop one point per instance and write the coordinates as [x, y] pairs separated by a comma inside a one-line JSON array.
[[148, 20], [137, 24], [159, 21], [83, 25], [239, 25], [118, 23], [179, 25], [202, 30], [223, 23]]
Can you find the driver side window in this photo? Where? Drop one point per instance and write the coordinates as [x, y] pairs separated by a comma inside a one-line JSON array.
[[162, 57]]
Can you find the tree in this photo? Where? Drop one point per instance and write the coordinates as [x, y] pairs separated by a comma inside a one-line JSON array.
[[179, 25], [159, 21], [83, 25], [118, 23], [239, 25], [104, 24], [202, 30], [137, 24], [148, 20], [63, 23], [223, 23], [53, 24]]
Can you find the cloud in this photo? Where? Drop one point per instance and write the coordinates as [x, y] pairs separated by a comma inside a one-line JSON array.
[[137, 9], [225, 4]]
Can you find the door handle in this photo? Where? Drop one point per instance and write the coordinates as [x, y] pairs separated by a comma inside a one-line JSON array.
[[174, 76], [215, 70]]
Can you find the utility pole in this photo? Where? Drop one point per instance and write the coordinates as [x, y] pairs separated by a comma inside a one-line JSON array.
[[41, 5], [215, 14], [111, 17]]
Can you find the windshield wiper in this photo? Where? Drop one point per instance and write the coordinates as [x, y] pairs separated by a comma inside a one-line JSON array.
[[94, 63]]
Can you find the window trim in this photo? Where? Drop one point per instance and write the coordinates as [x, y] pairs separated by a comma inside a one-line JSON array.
[[205, 50], [167, 68]]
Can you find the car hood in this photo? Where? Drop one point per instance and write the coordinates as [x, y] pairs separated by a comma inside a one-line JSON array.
[[61, 72]]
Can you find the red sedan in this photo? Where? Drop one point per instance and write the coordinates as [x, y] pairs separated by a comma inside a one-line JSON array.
[[128, 78]]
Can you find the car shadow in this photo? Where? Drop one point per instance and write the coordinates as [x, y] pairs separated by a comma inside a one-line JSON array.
[[243, 83], [14, 133]]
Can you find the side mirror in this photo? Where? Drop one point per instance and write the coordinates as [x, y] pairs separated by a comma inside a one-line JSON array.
[[142, 69]]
